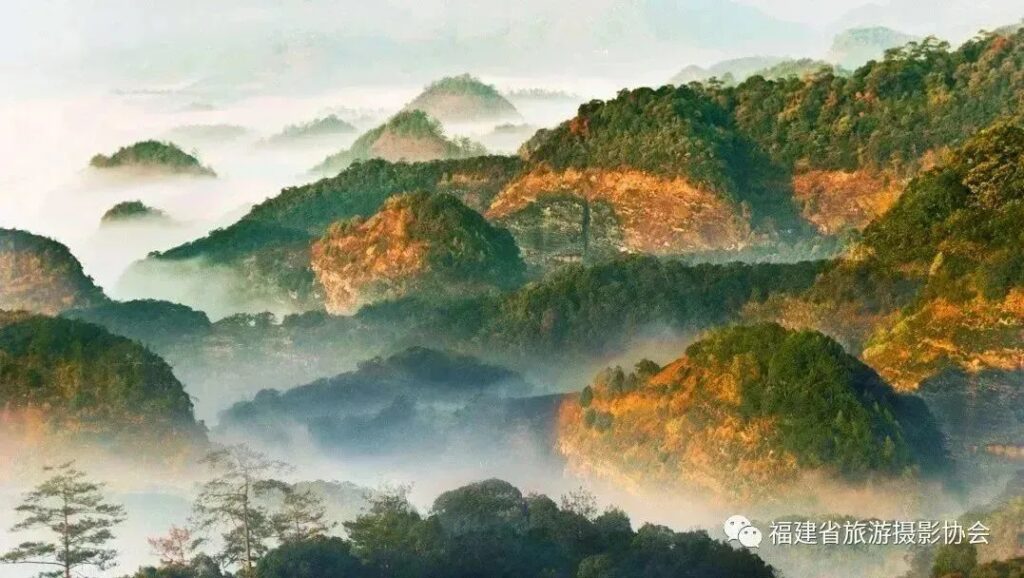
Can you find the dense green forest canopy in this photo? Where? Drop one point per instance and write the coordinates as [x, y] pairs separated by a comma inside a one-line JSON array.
[[86, 375], [831, 409], [490, 528], [958, 226]]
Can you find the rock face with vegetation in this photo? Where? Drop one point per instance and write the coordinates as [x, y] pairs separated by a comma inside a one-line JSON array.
[[419, 243], [40, 275], [133, 212], [670, 167], [73, 381], [746, 413], [463, 99], [153, 156], [933, 296], [408, 136]]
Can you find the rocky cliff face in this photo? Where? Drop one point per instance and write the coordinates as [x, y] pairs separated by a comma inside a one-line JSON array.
[[418, 243], [837, 201], [573, 215], [41, 275]]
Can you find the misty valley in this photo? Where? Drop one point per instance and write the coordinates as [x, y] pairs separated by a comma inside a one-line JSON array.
[[685, 307]]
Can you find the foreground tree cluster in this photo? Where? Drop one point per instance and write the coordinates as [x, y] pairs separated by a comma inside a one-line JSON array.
[[259, 527]]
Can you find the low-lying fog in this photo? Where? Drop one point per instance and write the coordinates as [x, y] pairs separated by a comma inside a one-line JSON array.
[[46, 186]]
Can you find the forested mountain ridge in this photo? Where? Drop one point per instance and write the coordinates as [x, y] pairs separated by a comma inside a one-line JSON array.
[[674, 170]]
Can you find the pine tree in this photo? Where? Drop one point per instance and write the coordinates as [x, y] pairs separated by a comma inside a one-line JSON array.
[[74, 510], [234, 501], [301, 516]]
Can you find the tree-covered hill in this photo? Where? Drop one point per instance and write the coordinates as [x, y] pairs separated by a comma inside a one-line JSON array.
[[268, 250], [411, 136], [463, 98], [761, 400], [133, 211], [155, 156], [424, 244], [41, 275], [86, 386]]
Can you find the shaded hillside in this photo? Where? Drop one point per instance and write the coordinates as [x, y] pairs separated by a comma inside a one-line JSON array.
[[553, 325], [133, 212], [424, 244], [77, 383], [599, 309], [747, 412], [463, 99], [156, 324], [407, 402], [41, 275], [153, 156], [410, 136]]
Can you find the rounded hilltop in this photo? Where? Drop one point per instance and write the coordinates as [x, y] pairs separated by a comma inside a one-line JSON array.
[[747, 413], [410, 136], [153, 156], [419, 243], [132, 212], [464, 98]]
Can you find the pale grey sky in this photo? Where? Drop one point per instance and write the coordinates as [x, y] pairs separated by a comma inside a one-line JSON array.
[[234, 41]]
